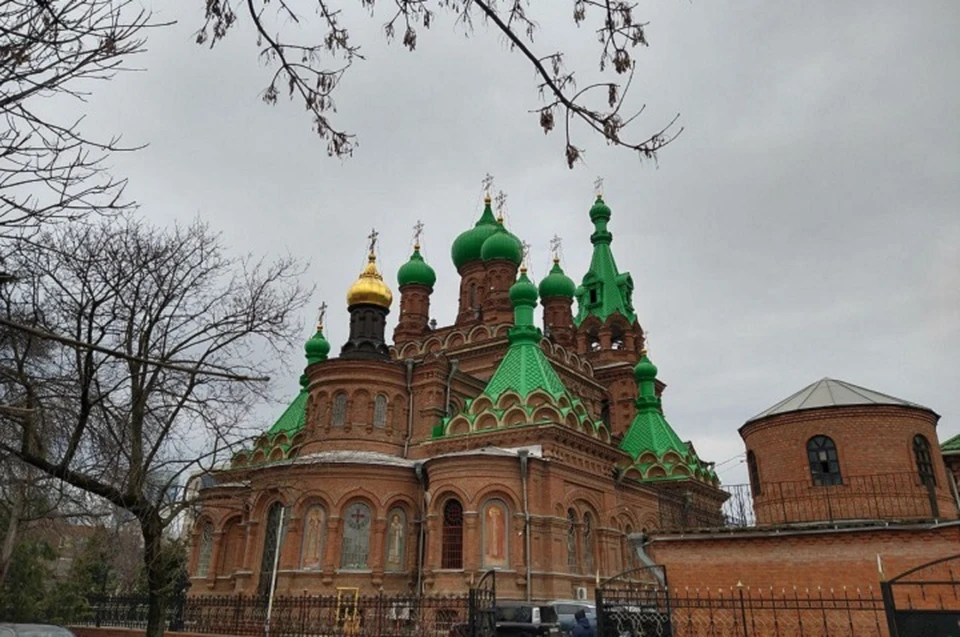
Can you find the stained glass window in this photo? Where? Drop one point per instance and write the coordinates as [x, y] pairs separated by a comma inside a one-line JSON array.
[[339, 409], [824, 464], [356, 537], [206, 549], [587, 537], [314, 531], [380, 411], [271, 543], [572, 562], [921, 453], [396, 539], [451, 550]]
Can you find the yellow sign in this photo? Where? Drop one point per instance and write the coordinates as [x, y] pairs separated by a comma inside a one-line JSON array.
[[348, 612]]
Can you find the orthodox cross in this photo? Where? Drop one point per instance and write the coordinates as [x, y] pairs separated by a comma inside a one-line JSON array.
[[358, 517], [487, 183], [373, 239], [501, 204], [598, 185], [322, 314], [417, 232], [525, 251], [555, 244]]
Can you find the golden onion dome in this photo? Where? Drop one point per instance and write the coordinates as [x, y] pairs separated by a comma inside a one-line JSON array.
[[370, 288]]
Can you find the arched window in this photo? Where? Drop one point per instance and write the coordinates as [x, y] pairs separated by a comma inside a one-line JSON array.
[[339, 409], [356, 537], [206, 549], [496, 534], [396, 539], [627, 550], [593, 296], [314, 531], [572, 561], [380, 411], [272, 539], [587, 537], [753, 473], [921, 453], [824, 465], [605, 412], [451, 549], [473, 295]]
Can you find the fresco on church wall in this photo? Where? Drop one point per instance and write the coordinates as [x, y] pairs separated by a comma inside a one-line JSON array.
[[314, 525], [495, 535], [396, 539]]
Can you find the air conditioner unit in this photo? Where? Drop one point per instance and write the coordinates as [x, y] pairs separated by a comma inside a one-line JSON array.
[[581, 593]]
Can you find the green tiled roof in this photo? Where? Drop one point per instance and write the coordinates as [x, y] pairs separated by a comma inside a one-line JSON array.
[[524, 369], [951, 446], [650, 431], [604, 290], [292, 419]]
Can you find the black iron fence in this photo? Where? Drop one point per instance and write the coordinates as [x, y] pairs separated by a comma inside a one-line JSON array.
[[892, 496], [344, 614]]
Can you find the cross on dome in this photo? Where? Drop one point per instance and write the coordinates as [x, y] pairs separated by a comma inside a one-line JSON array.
[[598, 186], [373, 239], [417, 233], [321, 315], [501, 205], [487, 183], [555, 245]]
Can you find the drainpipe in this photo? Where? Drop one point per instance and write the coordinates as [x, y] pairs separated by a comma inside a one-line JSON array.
[[453, 370], [421, 472], [523, 453], [273, 578], [406, 443]]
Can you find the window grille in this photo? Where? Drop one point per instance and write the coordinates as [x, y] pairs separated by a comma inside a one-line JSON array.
[[356, 537], [271, 541], [380, 411], [824, 464], [587, 538], [206, 549], [921, 453], [339, 409], [452, 543], [754, 474]]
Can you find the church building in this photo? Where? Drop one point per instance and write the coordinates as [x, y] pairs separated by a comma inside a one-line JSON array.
[[534, 447]]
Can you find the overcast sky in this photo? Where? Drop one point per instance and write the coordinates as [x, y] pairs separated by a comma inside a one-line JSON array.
[[804, 225]]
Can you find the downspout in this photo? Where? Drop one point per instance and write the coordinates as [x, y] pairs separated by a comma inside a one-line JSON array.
[[421, 472], [524, 454], [454, 363], [406, 443]]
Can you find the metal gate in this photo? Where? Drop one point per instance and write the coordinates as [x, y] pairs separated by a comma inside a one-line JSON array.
[[634, 603], [924, 600], [483, 606]]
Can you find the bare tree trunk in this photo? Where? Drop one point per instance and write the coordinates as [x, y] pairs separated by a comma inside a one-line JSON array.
[[157, 585], [10, 536]]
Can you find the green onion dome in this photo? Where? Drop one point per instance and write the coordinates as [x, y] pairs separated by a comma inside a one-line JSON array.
[[523, 292], [467, 246], [599, 210], [556, 283], [644, 370], [317, 348], [502, 245], [416, 271]]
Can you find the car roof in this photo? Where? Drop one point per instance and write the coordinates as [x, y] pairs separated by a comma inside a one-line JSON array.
[[37, 630]]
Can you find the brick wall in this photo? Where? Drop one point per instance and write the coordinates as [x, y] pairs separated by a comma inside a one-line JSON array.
[[783, 560]]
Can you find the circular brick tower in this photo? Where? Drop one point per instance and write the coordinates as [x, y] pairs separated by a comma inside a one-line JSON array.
[[838, 453]]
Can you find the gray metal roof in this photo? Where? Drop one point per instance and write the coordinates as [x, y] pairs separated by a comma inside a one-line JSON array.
[[829, 392]]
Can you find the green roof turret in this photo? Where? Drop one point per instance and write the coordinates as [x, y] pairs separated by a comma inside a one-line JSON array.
[[416, 271], [523, 294], [468, 245], [317, 348], [556, 283], [604, 290]]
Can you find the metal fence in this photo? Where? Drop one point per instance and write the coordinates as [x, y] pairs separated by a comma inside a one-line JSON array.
[[891, 496], [344, 614], [741, 612]]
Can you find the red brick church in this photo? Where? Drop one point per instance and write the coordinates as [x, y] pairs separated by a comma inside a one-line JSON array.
[[544, 453]]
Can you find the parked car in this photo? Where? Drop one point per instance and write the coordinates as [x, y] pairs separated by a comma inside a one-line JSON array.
[[526, 619], [566, 611], [33, 630]]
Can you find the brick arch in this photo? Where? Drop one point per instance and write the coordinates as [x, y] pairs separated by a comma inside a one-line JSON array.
[[265, 500], [547, 413], [276, 454], [311, 499], [509, 399], [502, 330], [480, 403], [433, 345], [410, 350], [231, 541], [514, 416], [578, 498], [401, 500], [538, 397], [474, 334], [456, 338], [258, 456], [446, 492], [486, 421], [458, 425], [358, 494], [499, 492]]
